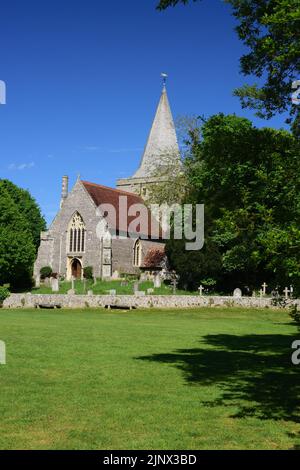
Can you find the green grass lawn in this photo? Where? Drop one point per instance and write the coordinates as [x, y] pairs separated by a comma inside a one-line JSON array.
[[197, 379], [102, 287]]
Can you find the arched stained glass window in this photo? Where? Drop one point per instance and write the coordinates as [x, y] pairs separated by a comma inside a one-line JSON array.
[[76, 234]]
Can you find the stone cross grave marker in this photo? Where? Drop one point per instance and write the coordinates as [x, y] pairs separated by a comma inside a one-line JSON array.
[[200, 289], [286, 292], [264, 286]]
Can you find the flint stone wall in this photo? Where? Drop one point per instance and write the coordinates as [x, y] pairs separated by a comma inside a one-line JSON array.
[[132, 301]]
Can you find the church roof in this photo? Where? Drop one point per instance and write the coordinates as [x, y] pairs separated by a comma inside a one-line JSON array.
[[162, 141], [104, 195]]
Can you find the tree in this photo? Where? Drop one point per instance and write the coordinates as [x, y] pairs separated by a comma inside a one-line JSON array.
[[28, 208], [249, 181], [270, 29], [154, 258], [17, 249], [194, 266]]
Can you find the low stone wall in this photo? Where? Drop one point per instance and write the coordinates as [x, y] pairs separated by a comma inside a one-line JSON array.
[[132, 301]]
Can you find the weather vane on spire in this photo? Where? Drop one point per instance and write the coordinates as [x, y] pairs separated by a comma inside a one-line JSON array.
[[164, 77]]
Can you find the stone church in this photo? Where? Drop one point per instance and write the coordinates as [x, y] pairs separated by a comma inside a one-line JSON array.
[[82, 235]]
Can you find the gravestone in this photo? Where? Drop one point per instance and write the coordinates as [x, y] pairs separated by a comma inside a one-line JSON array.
[[47, 281], [174, 285], [286, 292], [237, 292], [150, 291], [264, 286], [140, 293], [90, 292], [112, 292], [71, 292], [157, 282], [200, 289], [54, 284]]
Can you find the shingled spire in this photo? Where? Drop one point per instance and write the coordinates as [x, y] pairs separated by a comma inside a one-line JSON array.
[[161, 149]]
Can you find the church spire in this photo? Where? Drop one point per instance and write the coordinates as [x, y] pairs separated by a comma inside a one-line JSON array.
[[162, 142]]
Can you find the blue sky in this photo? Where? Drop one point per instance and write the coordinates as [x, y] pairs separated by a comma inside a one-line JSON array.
[[83, 82]]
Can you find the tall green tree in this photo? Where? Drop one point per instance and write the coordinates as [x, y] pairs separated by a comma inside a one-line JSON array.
[[249, 181], [28, 207], [270, 30], [17, 250]]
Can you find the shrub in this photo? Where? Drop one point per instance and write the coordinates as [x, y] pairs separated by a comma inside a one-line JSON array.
[[4, 293], [88, 272], [295, 314], [154, 258], [46, 271]]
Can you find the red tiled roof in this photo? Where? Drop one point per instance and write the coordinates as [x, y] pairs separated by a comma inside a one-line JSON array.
[[105, 195]]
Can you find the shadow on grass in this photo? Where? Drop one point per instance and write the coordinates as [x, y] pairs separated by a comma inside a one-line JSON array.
[[253, 373]]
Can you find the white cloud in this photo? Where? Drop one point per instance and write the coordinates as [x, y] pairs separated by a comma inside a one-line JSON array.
[[21, 166]]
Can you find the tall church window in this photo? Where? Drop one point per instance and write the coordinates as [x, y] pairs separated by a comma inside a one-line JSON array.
[[76, 234], [137, 253]]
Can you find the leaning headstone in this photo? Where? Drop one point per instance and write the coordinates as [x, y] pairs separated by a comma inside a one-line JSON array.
[[157, 282], [237, 292], [54, 284], [71, 292]]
